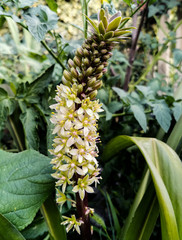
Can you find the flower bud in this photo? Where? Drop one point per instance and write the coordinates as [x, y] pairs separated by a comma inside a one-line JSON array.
[[71, 63], [100, 68], [77, 61], [96, 60], [67, 75], [98, 85], [65, 82], [102, 44], [79, 52], [106, 57], [86, 62], [91, 82], [80, 88], [94, 45], [86, 52], [74, 72], [89, 71], [99, 75], [95, 52], [104, 51], [93, 94]]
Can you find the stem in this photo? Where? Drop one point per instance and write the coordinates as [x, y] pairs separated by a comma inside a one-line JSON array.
[[52, 54], [15, 134], [133, 13], [82, 206], [122, 114], [133, 49]]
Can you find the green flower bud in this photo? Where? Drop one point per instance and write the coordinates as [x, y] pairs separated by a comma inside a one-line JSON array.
[[100, 68], [98, 85], [104, 51], [94, 45], [74, 72], [96, 60], [77, 61], [107, 56], [71, 63], [89, 71], [67, 75], [86, 62], [80, 88], [95, 52], [99, 75], [93, 94], [65, 82], [79, 52], [86, 52], [101, 28], [91, 82]]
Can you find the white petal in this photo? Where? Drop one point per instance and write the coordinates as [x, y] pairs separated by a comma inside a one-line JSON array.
[[80, 111], [80, 159], [58, 148], [69, 103], [89, 189], [79, 171], [79, 141], [89, 112], [88, 157], [74, 152], [82, 193], [68, 125], [70, 142], [56, 129], [75, 189], [85, 131], [64, 167]]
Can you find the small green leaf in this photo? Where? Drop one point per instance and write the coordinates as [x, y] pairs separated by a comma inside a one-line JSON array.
[[177, 53], [99, 221], [25, 183], [162, 114], [28, 119], [177, 110], [8, 231], [101, 14], [92, 24], [114, 24], [120, 33], [101, 28], [105, 22], [140, 116], [121, 93], [109, 35], [52, 5]]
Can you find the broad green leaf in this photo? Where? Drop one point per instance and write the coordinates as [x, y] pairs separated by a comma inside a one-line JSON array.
[[28, 119], [177, 53], [139, 114], [40, 20], [162, 114], [166, 170], [108, 113], [8, 230], [26, 3], [177, 110], [25, 183], [114, 106]]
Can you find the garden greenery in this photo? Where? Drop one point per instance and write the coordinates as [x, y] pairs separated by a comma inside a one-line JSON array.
[[93, 109]]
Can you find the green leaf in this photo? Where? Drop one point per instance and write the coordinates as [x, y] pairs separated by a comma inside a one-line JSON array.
[[177, 53], [8, 230], [162, 114], [40, 20], [25, 183], [140, 116], [7, 106], [114, 215], [52, 5], [114, 24], [166, 170], [114, 106], [38, 86], [26, 3], [28, 119], [177, 110], [101, 222], [128, 2], [121, 93], [108, 113]]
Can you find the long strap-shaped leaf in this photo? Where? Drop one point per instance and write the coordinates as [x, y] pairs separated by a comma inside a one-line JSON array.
[[8, 231], [166, 171]]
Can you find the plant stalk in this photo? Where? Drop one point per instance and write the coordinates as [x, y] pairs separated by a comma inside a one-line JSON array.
[[133, 49], [82, 206]]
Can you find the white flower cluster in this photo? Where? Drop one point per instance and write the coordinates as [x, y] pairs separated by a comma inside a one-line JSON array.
[[75, 147]]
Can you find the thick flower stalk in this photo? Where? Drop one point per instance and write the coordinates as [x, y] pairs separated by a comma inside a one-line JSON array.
[[75, 117]]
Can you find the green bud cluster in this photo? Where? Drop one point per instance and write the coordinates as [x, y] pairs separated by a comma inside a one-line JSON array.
[[90, 61]]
